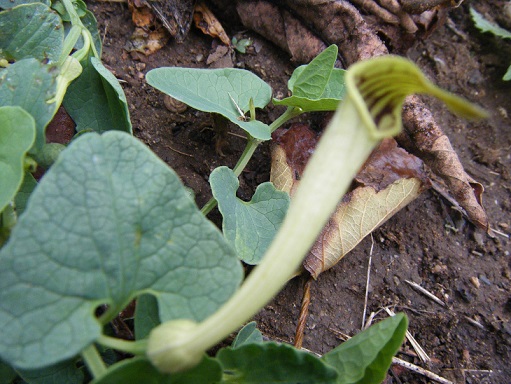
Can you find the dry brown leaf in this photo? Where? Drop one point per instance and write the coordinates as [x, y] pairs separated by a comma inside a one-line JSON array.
[[339, 22], [390, 179], [207, 22]]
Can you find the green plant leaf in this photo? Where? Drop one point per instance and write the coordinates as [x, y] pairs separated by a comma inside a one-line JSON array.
[[6, 4], [79, 5], [89, 21], [107, 222], [486, 26], [273, 363], [146, 316], [31, 30], [96, 101], [141, 371], [32, 86], [65, 372], [210, 90], [366, 357], [328, 101], [17, 134], [7, 374], [24, 192], [249, 334], [311, 80], [248, 226]]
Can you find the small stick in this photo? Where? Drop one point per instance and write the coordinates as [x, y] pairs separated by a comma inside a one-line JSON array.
[[499, 233], [425, 292], [420, 371], [475, 323], [367, 281], [181, 153], [304, 313], [416, 346]]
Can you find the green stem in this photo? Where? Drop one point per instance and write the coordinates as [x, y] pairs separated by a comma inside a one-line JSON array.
[[133, 347], [250, 148], [93, 361], [290, 113]]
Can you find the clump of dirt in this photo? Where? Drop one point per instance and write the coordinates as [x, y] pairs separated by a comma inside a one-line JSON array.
[[429, 243]]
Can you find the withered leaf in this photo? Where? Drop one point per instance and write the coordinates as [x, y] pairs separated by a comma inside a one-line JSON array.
[[389, 180], [207, 22]]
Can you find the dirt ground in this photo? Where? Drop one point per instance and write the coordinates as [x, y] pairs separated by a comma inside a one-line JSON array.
[[468, 340]]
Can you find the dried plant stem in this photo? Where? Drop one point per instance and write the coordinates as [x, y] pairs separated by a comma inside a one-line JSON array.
[[367, 281], [426, 293], [304, 313], [420, 371]]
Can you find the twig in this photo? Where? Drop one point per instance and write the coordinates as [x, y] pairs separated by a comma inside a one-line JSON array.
[[420, 371], [367, 281], [304, 313], [425, 292], [475, 323], [499, 233], [181, 153], [416, 346]]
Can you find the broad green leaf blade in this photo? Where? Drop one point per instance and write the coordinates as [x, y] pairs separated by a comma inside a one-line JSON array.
[[17, 134], [312, 80], [65, 372], [6, 4], [108, 221], [273, 363], [31, 30], [486, 26], [248, 226], [249, 334], [24, 192], [328, 101], [96, 101], [7, 374], [146, 316], [32, 86], [210, 90], [141, 371], [366, 357], [89, 21]]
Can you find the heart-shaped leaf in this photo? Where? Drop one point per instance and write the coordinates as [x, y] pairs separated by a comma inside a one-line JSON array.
[[273, 363], [220, 91], [366, 357], [31, 30], [248, 226], [107, 222], [17, 134], [249, 334], [96, 101], [32, 86]]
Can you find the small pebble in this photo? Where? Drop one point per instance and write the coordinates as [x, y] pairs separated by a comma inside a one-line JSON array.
[[475, 282]]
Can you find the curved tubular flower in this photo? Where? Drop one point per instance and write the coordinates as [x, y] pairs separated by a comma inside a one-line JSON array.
[[371, 111]]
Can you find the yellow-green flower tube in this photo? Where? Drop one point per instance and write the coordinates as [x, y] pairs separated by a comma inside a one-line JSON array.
[[371, 111]]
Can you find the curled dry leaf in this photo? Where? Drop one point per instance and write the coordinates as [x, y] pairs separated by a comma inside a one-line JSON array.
[[207, 22], [340, 22], [389, 180]]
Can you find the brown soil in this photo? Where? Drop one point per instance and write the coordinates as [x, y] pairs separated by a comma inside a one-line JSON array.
[[429, 243]]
